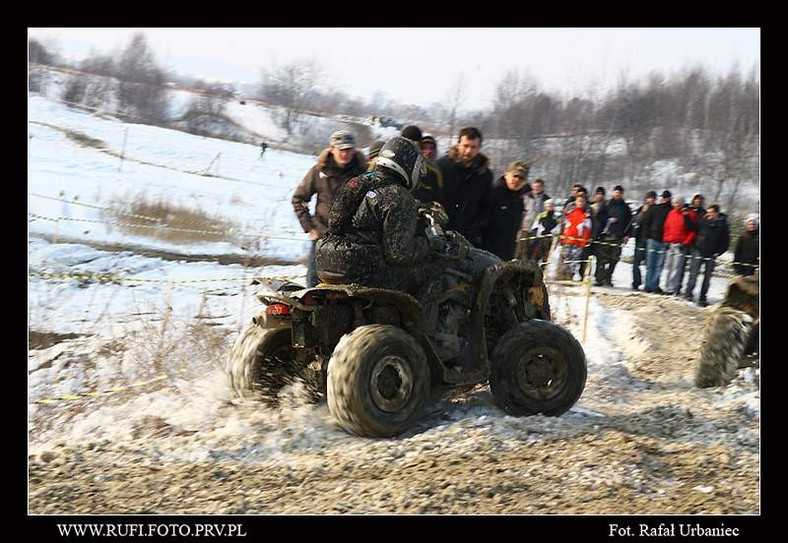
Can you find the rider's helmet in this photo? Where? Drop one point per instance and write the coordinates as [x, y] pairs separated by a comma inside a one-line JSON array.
[[403, 157]]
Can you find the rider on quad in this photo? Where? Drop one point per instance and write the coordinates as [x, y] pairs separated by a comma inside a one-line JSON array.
[[374, 234]]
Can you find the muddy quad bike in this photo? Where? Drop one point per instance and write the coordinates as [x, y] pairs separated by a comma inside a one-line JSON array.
[[376, 353], [731, 339]]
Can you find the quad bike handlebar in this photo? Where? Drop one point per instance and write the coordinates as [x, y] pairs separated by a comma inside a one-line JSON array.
[[444, 244]]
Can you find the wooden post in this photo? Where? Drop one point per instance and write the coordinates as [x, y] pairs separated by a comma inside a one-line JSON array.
[[123, 148], [241, 319], [549, 258], [588, 296]]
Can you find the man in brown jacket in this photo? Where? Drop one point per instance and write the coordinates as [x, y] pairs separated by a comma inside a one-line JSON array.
[[335, 166]]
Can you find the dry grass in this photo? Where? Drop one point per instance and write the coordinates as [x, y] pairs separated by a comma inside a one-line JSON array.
[[169, 222], [85, 140], [44, 340]]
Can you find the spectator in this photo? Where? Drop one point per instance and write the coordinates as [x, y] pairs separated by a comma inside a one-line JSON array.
[[503, 225], [534, 198], [612, 237], [638, 231], [575, 237], [430, 188], [412, 132], [373, 237], [372, 157], [713, 240], [545, 224], [429, 147], [746, 256], [654, 222], [674, 236], [573, 193], [697, 205], [598, 221], [467, 182], [335, 166]]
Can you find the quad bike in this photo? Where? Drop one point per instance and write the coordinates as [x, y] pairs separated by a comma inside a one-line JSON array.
[[731, 339], [376, 354]]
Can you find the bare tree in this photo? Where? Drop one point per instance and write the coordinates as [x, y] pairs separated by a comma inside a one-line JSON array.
[[141, 91], [39, 53], [207, 108], [455, 98], [290, 86]]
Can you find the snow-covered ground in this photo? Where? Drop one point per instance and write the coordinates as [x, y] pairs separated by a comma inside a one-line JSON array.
[[129, 296]]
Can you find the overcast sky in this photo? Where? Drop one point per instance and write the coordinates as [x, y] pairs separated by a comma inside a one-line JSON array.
[[420, 65]]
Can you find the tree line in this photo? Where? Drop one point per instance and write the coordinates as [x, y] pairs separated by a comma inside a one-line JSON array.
[[707, 124]]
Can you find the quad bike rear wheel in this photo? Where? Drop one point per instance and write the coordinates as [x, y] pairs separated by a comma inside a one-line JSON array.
[[378, 381], [728, 338], [262, 362], [537, 367]]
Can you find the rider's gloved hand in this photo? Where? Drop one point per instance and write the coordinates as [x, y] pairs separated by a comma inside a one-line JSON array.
[[438, 213]]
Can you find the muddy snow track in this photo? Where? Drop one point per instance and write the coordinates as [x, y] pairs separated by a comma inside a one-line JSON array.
[[641, 440]]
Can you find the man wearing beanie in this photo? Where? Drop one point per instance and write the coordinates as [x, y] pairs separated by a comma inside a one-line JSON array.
[[613, 235], [335, 166], [637, 231], [502, 229]]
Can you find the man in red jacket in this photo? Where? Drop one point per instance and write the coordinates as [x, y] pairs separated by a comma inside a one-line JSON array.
[[575, 236], [673, 237]]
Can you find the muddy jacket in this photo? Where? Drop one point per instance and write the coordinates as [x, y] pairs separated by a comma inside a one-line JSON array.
[[373, 234], [466, 194], [324, 179], [713, 235], [503, 223]]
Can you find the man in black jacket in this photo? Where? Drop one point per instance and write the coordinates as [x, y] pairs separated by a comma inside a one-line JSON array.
[[467, 183], [654, 223], [637, 231], [713, 240], [503, 225], [612, 236]]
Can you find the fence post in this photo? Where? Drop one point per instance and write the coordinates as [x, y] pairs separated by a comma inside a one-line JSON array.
[[123, 148], [587, 280]]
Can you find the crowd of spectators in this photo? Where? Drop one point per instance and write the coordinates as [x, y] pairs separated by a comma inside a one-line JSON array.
[[514, 218]]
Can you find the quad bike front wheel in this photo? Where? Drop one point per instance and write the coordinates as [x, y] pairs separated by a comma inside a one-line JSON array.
[[378, 381], [262, 362], [537, 367]]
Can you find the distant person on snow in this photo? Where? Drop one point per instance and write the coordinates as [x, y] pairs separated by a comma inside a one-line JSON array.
[[263, 147]]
